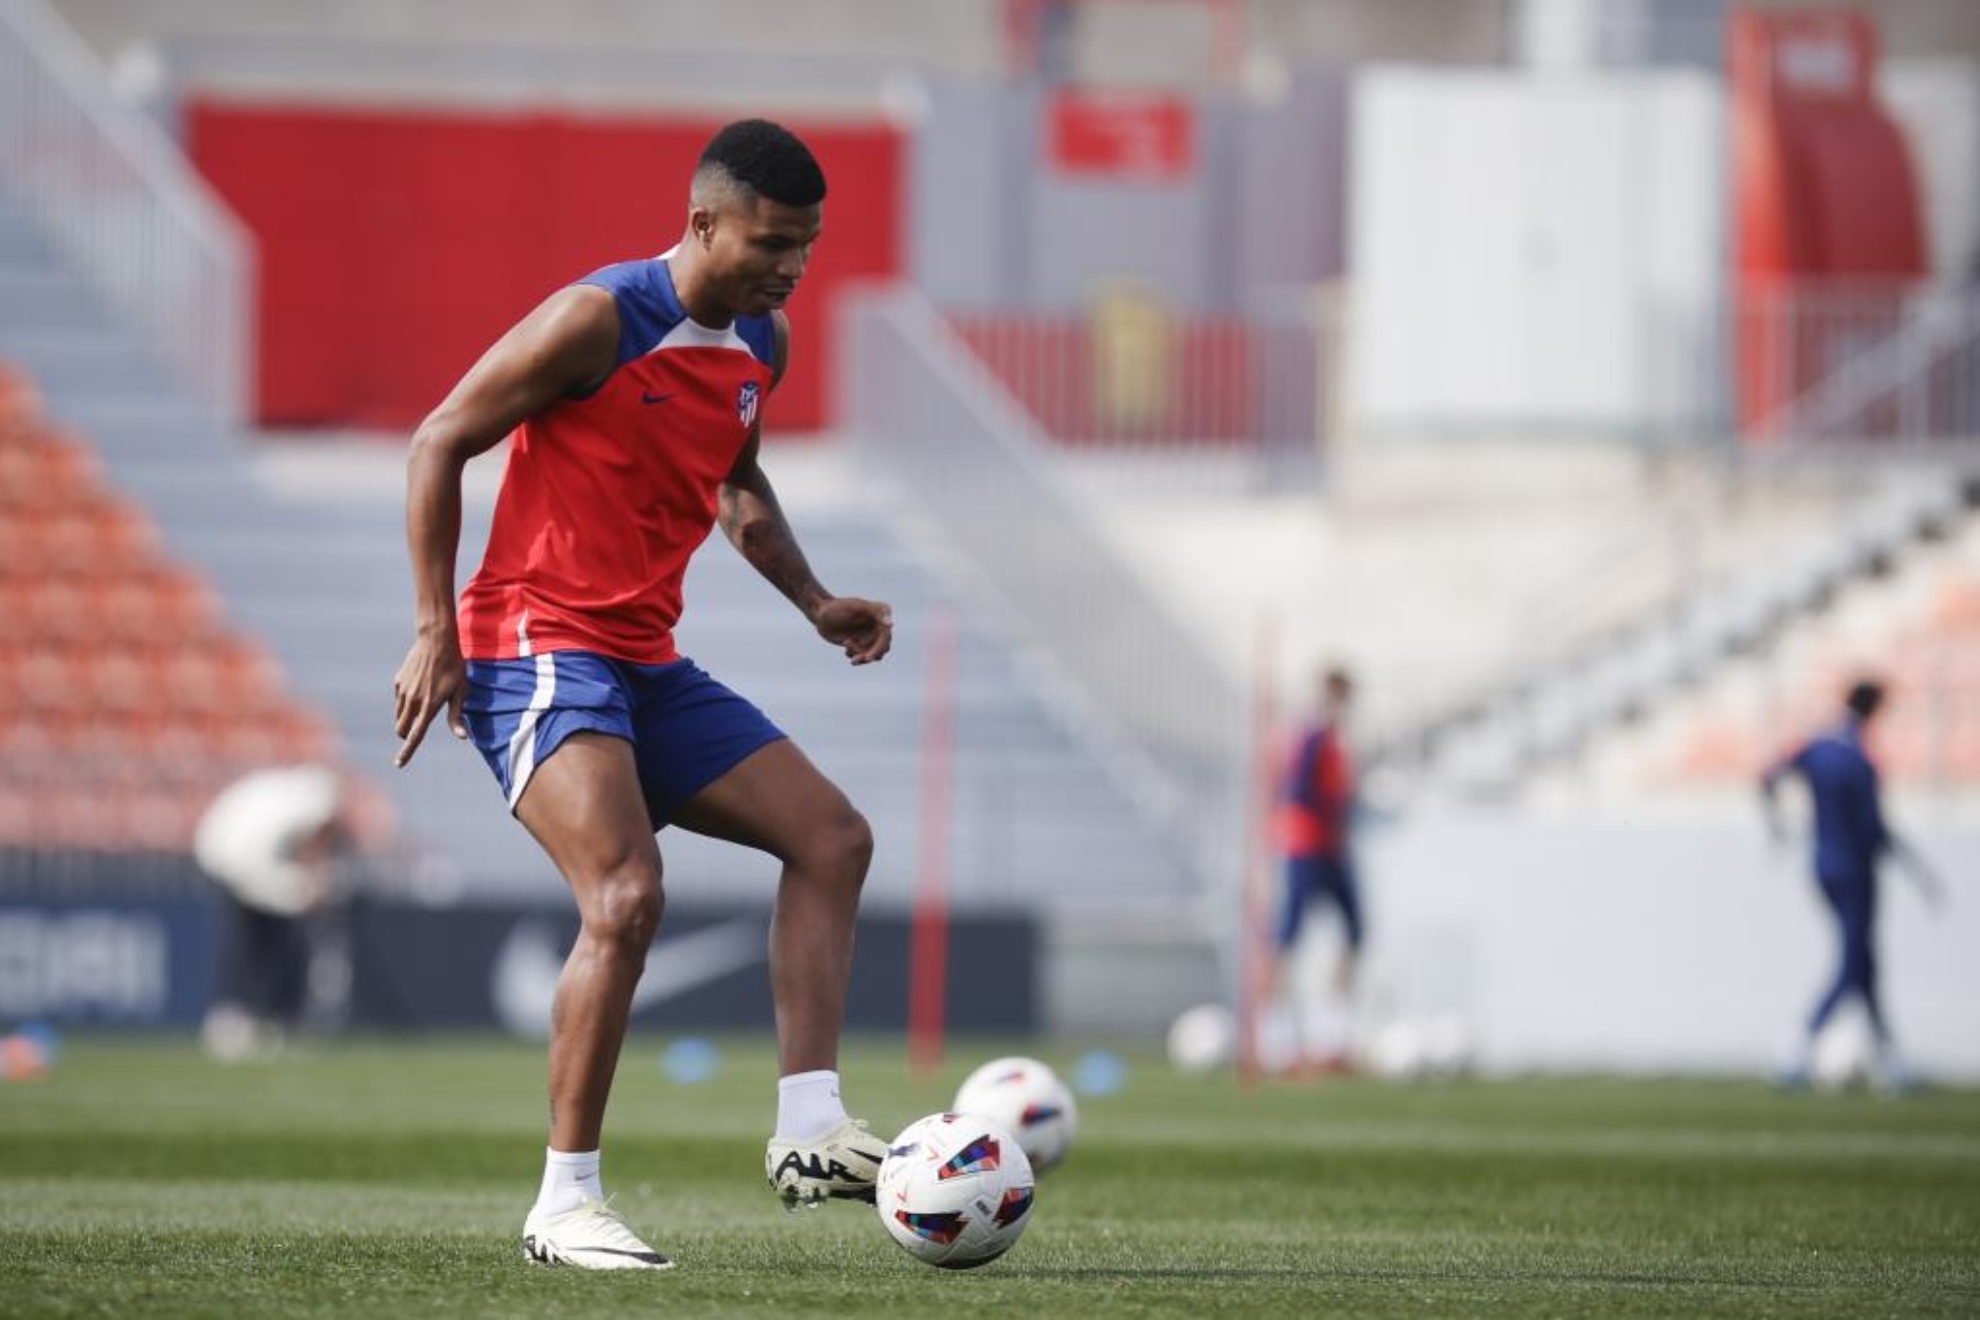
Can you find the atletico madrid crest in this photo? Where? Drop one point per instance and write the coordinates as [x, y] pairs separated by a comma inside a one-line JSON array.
[[746, 403]]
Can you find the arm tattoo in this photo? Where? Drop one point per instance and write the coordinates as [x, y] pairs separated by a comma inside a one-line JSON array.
[[754, 523]]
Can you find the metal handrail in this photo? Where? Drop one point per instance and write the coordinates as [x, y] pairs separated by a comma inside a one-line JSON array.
[[118, 198], [925, 413], [1882, 362]]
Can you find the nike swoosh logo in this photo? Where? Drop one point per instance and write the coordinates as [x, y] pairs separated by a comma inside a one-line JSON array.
[[648, 396], [523, 980], [650, 1257]]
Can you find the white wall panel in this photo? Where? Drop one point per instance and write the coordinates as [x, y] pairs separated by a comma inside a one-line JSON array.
[[1667, 937], [1515, 241]]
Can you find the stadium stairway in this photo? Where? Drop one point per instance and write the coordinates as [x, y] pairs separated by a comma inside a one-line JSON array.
[[1655, 663], [1915, 625], [1036, 814]]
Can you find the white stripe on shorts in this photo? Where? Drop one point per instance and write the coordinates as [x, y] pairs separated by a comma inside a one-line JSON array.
[[522, 747]]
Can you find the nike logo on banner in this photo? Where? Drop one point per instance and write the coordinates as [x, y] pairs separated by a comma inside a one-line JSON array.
[[524, 978], [648, 396]]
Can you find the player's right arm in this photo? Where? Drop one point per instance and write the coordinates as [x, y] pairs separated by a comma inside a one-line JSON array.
[[1770, 801], [568, 344]]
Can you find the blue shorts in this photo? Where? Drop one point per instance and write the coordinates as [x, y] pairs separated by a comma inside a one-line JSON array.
[[686, 729], [1314, 878]]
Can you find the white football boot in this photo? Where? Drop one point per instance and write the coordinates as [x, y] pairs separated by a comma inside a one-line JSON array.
[[591, 1237], [839, 1165]]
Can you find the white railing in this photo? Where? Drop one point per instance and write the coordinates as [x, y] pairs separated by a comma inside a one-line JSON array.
[[118, 198], [924, 412], [1883, 364]]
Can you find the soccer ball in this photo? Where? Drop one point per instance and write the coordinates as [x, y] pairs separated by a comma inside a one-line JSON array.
[[1202, 1039], [1399, 1052], [1844, 1055], [1026, 1099], [955, 1190]]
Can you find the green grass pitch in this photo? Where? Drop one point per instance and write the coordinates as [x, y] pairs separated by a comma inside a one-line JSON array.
[[390, 1179]]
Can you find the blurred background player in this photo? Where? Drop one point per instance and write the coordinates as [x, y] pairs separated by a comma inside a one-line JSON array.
[[634, 397], [272, 839], [1850, 837], [1315, 823]]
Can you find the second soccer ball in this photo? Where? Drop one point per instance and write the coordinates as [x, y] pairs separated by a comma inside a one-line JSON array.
[[1026, 1099]]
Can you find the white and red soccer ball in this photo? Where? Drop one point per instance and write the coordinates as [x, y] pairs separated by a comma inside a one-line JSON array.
[[955, 1190], [1026, 1099]]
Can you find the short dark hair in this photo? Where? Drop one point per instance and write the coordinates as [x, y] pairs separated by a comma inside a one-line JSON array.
[[766, 158], [1865, 696]]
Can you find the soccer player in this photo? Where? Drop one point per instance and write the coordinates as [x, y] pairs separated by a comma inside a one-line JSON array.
[[1314, 822], [633, 397], [1850, 839]]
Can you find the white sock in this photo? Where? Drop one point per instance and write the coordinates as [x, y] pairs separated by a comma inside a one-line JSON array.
[[808, 1105], [569, 1177]]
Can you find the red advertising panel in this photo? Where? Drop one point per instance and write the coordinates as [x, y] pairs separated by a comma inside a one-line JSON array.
[[395, 245], [1145, 137]]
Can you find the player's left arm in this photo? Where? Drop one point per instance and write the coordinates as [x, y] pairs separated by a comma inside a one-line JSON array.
[[755, 524]]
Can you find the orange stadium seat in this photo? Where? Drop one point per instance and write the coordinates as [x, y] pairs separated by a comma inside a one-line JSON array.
[[55, 609], [74, 817], [150, 818], [29, 741], [13, 662], [39, 470], [182, 605], [1957, 605], [229, 675], [84, 540], [47, 676], [248, 675], [118, 678], [16, 814], [174, 746]]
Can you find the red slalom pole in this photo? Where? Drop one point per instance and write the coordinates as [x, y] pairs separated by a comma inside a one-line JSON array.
[[928, 939], [1254, 888]]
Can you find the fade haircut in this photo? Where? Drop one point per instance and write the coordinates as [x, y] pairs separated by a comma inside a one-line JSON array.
[[757, 156]]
